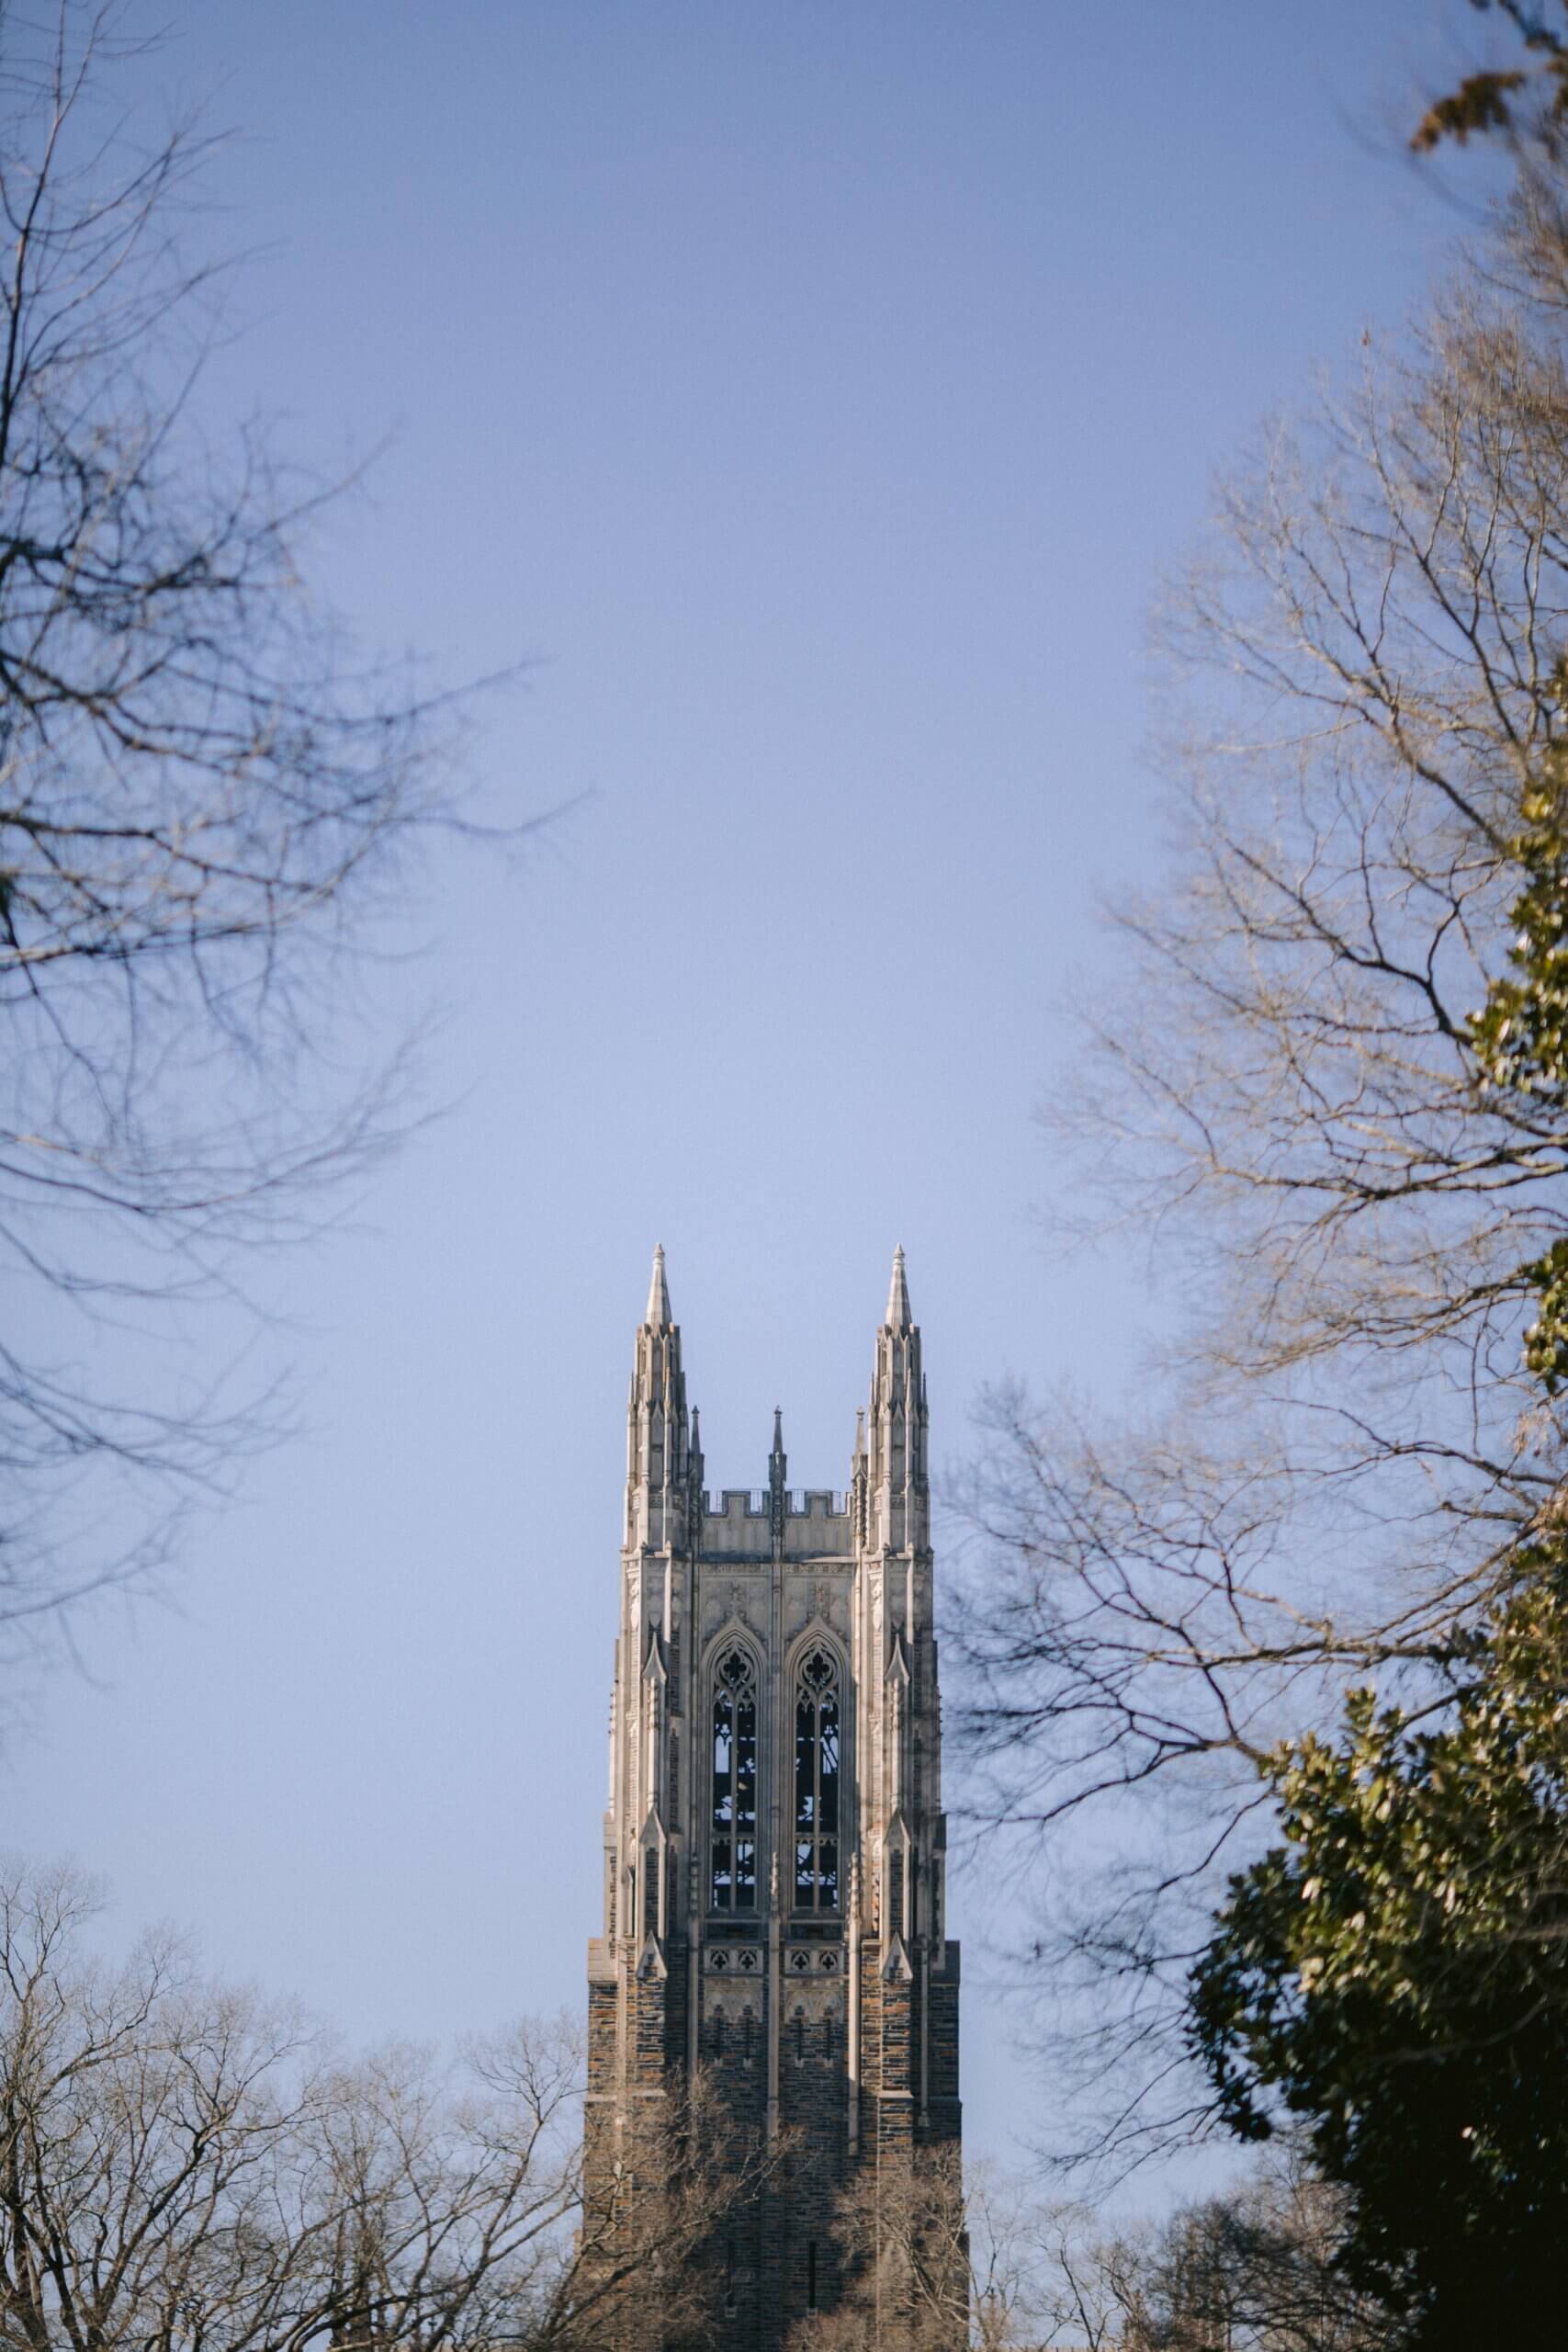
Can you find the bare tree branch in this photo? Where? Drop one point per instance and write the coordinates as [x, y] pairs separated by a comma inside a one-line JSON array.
[[1337, 1463], [209, 803]]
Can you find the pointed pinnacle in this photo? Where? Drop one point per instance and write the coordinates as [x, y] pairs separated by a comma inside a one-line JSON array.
[[657, 1318], [778, 1470], [897, 1317]]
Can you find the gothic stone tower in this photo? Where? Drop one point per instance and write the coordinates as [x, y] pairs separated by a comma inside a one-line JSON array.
[[775, 1847]]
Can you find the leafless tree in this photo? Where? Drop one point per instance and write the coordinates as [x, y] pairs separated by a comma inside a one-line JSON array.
[[1002, 2231], [655, 2207], [935, 2257], [1087, 2280], [903, 2247], [936, 2254], [1254, 2270], [207, 800], [1330, 1472], [188, 2167]]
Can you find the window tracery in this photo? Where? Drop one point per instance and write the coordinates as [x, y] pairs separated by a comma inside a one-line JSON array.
[[732, 1840], [816, 1737]]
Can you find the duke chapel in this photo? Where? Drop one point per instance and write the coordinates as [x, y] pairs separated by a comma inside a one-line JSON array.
[[775, 1847]]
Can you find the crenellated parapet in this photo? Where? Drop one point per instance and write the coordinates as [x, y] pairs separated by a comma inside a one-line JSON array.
[[741, 1524]]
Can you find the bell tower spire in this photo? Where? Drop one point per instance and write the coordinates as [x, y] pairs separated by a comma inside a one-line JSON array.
[[775, 1847], [658, 1316], [897, 1317]]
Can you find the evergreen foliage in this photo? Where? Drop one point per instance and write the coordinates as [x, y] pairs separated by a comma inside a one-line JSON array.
[[1396, 1974]]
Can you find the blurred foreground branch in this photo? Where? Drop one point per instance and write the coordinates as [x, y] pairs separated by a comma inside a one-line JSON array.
[[209, 802]]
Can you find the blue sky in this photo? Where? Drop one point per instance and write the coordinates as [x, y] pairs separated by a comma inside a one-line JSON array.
[[811, 395]]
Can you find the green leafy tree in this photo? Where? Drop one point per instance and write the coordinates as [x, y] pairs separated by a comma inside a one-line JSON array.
[[1520, 1036], [1395, 1974]]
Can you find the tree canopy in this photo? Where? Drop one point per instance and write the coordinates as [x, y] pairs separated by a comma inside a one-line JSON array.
[[1395, 1974], [1291, 1638]]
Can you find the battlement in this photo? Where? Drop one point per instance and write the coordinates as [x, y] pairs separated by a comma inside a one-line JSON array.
[[812, 1502], [738, 1525]]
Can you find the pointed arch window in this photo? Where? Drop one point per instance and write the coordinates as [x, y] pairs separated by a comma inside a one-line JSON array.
[[732, 1839], [816, 1741]]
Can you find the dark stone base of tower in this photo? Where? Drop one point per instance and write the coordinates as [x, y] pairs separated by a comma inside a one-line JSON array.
[[778, 2258], [774, 1867]]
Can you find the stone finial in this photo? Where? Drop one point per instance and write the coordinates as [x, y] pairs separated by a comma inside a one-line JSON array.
[[897, 1317], [657, 1318]]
